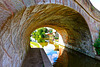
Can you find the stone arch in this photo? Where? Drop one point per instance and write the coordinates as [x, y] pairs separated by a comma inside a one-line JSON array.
[[61, 17], [16, 29]]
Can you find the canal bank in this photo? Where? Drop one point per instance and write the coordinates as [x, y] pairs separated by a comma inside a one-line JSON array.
[[36, 57]]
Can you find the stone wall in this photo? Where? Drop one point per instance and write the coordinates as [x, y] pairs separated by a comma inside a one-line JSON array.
[[18, 18]]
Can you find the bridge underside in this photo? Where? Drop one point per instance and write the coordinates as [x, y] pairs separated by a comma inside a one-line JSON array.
[[16, 32], [68, 22]]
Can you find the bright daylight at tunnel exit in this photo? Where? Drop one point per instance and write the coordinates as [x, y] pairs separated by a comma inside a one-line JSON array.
[[49, 33], [48, 39]]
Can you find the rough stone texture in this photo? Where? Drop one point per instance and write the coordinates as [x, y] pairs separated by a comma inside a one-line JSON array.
[[33, 58], [78, 26]]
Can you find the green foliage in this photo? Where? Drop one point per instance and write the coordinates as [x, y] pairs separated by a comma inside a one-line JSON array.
[[39, 31], [97, 45], [40, 34], [50, 31], [92, 8], [45, 30], [35, 44], [30, 39], [56, 38], [98, 51], [40, 40]]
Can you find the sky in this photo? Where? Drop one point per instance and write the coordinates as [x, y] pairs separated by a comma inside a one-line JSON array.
[[96, 4]]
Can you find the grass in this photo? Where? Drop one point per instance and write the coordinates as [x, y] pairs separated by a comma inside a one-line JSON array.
[[32, 44]]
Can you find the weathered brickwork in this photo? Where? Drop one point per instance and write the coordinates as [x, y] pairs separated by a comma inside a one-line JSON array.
[[76, 20]]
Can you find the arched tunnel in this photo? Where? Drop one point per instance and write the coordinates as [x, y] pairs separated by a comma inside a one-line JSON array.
[[68, 22], [15, 33]]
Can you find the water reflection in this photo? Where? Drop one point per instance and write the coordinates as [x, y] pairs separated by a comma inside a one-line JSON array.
[[61, 56], [76, 59], [64, 57], [52, 49], [62, 60], [53, 52]]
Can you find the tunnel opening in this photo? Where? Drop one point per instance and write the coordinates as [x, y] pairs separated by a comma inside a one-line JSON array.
[[48, 39], [45, 41], [45, 34]]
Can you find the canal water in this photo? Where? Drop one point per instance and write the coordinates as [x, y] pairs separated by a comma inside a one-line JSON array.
[[64, 57]]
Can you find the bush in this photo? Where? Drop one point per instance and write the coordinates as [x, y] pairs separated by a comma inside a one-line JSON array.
[[56, 38], [97, 45]]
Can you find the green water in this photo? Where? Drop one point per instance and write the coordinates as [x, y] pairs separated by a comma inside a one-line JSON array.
[[72, 58], [64, 57]]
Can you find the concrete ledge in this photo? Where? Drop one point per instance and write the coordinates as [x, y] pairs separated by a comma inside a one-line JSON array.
[[46, 60], [33, 58], [36, 57]]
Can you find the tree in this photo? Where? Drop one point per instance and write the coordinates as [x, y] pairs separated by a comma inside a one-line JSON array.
[[50, 31], [40, 30], [45, 30], [39, 34]]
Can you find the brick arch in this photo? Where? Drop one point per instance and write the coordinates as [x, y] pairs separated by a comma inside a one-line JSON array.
[[60, 17], [19, 16]]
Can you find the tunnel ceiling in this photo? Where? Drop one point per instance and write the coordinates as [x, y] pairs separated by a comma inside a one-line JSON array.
[[57, 16]]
